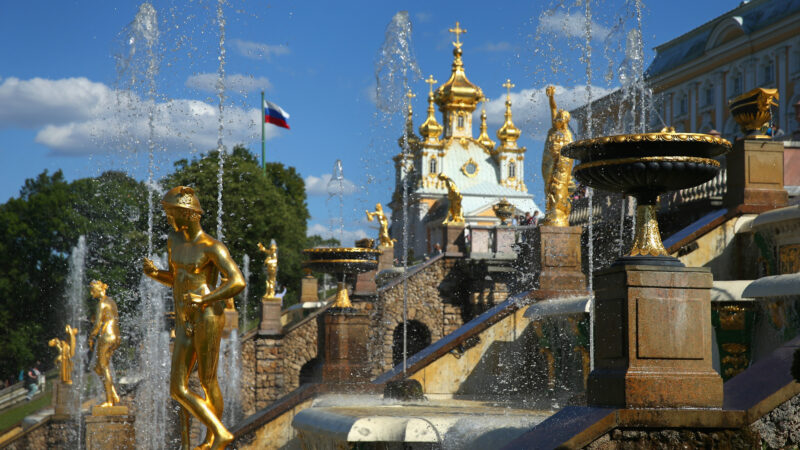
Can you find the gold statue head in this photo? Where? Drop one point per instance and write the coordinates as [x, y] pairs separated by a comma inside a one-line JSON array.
[[98, 289], [378, 207], [53, 342], [182, 206]]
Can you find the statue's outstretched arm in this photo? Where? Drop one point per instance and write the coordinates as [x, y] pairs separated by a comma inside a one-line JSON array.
[[551, 90]]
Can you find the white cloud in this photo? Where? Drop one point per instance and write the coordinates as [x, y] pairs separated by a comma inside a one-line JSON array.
[[258, 50], [235, 82], [346, 237], [371, 93], [531, 106], [570, 24], [495, 47], [323, 186], [423, 16], [78, 116]]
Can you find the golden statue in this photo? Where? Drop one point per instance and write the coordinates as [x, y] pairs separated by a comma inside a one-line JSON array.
[[383, 235], [454, 214], [271, 263], [66, 350], [106, 327], [557, 169], [196, 260]]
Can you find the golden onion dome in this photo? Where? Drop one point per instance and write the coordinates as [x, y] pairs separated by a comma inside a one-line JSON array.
[[430, 129], [508, 133], [484, 138], [458, 92]]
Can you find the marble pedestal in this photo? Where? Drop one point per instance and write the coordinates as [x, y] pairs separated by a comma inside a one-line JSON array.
[[652, 339], [346, 332], [559, 251], [270, 316], [110, 428], [64, 399]]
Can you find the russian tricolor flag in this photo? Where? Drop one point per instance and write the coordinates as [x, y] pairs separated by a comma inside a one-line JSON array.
[[275, 115]]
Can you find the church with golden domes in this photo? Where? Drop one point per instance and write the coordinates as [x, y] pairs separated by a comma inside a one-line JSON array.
[[484, 171]]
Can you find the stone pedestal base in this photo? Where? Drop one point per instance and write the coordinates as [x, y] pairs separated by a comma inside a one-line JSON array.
[[559, 250], [309, 287], [346, 355], [652, 339], [231, 322], [504, 240], [386, 258], [107, 430], [64, 398], [365, 284], [270, 316], [755, 175], [453, 237]]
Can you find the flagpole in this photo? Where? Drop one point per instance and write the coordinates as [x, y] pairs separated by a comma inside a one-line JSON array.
[[263, 142]]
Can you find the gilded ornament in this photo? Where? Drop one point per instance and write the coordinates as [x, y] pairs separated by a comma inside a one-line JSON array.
[[753, 111], [508, 133], [470, 168], [66, 350], [106, 328], [196, 262], [557, 168], [383, 234], [430, 129], [503, 210], [455, 215], [271, 263], [789, 257], [458, 93], [484, 138]]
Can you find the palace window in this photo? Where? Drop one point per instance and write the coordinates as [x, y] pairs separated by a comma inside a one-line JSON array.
[[460, 125], [512, 170], [683, 107], [736, 83], [433, 165], [709, 95], [768, 75]]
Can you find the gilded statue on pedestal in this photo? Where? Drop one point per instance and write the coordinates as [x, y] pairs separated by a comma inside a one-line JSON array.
[[196, 262], [556, 168], [455, 215], [271, 263], [106, 328], [66, 350], [383, 235]]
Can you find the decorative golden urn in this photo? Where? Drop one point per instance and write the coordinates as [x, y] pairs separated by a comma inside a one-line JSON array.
[[503, 210], [752, 112]]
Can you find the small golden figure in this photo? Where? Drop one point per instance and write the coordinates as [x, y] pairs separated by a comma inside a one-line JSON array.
[[454, 214], [383, 235], [66, 350], [196, 260], [106, 328], [556, 168], [271, 263]]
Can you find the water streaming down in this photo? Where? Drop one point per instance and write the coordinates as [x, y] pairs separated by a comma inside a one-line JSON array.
[[589, 190], [395, 69], [77, 317], [229, 372], [221, 124], [152, 392], [336, 189], [245, 293]]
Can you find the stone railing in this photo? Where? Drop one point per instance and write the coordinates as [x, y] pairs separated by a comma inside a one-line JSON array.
[[712, 191]]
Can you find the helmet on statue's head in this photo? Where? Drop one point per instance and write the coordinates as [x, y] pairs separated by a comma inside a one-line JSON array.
[[182, 197]]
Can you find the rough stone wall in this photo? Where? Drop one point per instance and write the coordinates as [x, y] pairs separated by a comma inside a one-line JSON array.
[[425, 305], [668, 439], [53, 434], [269, 371], [299, 347], [247, 394], [781, 427]]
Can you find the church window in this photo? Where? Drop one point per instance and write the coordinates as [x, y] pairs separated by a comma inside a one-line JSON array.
[[460, 121], [710, 95], [683, 107], [737, 84], [512, 170], [769, 73], [433, 165]]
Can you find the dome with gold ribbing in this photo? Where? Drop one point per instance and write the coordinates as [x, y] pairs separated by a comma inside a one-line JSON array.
[[508, 133], [458, 92]]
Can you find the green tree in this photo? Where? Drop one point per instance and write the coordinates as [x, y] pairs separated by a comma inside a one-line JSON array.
[[255, 209]]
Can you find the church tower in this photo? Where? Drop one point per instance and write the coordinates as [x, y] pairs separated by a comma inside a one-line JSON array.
[[484, 171]]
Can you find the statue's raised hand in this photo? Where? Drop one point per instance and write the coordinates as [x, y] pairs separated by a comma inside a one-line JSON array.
[[149, 267], [550, 91]]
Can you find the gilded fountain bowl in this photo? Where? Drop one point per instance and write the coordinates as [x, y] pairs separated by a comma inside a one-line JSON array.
[[341, 259], [647, 164]]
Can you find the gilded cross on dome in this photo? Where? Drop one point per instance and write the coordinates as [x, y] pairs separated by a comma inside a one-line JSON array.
[[431, 82], [457, 31], [410, 95], [508, 87]]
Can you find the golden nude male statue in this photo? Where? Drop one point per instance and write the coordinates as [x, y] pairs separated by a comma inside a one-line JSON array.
[[106, 328], [455, 214], [271, 263], [383, 235], [196, 261], [556, 168], [66, 350]]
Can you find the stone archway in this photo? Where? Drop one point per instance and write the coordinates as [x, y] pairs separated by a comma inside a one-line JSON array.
[[311, 371], [419, 337]]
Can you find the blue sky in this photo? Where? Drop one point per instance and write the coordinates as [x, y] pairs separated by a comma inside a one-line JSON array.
[[65, 104]]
